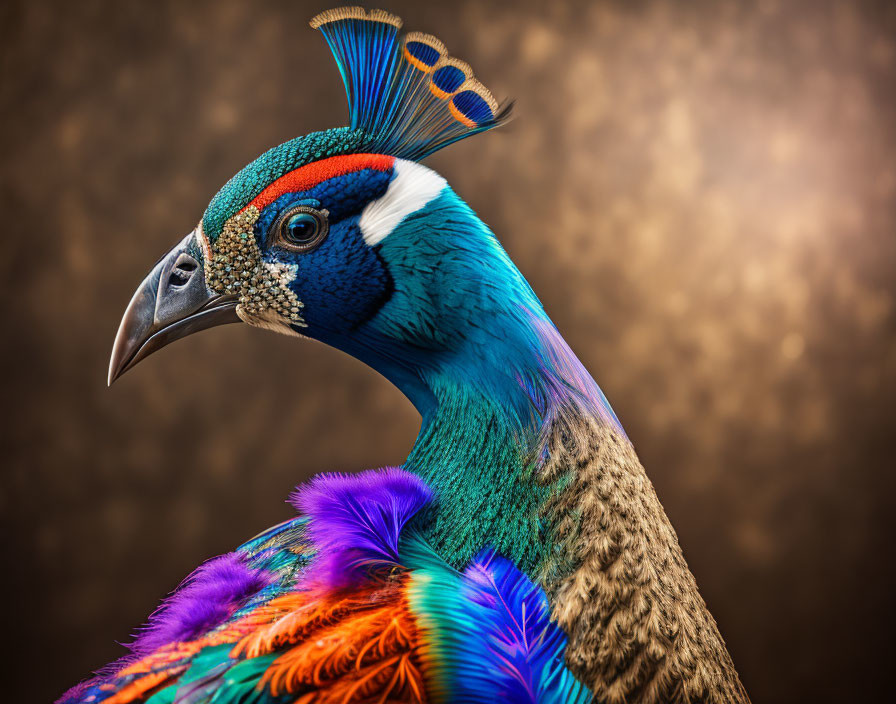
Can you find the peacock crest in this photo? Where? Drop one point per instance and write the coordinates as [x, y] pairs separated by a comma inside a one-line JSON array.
[[405, 93]]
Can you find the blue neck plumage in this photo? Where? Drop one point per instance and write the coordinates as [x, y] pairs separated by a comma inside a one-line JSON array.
[[469, 344], [462, 315]]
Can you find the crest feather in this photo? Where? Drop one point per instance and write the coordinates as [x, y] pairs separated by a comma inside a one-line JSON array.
[[406, 94], [353, 13]]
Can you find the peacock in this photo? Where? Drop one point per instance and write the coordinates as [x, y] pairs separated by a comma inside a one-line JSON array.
[[520, 554]]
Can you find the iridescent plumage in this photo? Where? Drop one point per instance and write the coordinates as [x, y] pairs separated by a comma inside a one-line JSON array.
[[343, 604], [520, 554]]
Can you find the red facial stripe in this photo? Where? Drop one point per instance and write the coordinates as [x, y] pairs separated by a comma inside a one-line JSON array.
[[308, 176]]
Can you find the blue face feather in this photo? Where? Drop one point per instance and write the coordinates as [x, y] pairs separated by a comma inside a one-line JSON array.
[[343, 282]]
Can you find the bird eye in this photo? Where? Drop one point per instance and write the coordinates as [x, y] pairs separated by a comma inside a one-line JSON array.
[[301, 229]]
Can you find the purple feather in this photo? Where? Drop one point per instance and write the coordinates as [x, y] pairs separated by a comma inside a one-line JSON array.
[[562, 375], [204, 600], [356, 521], [76, 693]]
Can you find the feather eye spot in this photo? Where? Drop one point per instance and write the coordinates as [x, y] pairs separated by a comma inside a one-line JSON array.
[[448, 77], [423, 51], [473, 105]]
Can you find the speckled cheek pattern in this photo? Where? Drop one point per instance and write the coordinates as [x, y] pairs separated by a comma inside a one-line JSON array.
[[234, 266]]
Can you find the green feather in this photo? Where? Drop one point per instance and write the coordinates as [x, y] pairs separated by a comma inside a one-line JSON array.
[[240, 685], [164, 696], [236, 684], [202, 665]]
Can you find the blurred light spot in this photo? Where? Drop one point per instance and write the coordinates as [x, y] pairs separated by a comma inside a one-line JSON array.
[[792, 346]]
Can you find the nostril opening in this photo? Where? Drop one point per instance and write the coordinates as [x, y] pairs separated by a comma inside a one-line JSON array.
[[182, 271], [179, 277]]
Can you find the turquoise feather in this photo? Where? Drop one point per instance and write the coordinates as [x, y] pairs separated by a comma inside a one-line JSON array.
[[490, 634]]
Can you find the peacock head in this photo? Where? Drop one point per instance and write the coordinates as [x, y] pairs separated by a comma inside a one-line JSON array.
[[342, 235]]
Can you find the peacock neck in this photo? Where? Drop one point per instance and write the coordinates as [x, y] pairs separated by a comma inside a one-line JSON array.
[[482, 443], [560, 491], [477, 457], [524, 455], [471, 346]]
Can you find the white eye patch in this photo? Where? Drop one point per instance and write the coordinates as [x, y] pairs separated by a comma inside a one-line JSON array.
[[411, 188]]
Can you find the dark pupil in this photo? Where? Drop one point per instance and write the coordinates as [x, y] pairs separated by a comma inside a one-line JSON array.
[[302, 227]]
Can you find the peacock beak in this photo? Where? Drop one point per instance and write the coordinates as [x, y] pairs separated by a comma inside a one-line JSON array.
[[172, 302]]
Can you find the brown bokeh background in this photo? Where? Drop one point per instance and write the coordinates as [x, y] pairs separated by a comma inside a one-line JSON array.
[[703, 194]]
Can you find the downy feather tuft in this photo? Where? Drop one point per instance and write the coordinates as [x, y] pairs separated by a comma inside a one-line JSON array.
[[208, 597], [211, 595], [355, 521]]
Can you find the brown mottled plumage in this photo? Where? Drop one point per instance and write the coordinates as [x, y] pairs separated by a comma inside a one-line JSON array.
[[639, 631]]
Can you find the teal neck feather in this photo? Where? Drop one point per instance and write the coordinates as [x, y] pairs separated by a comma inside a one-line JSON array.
[[476, 455], [480, 453], [492, 374]]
